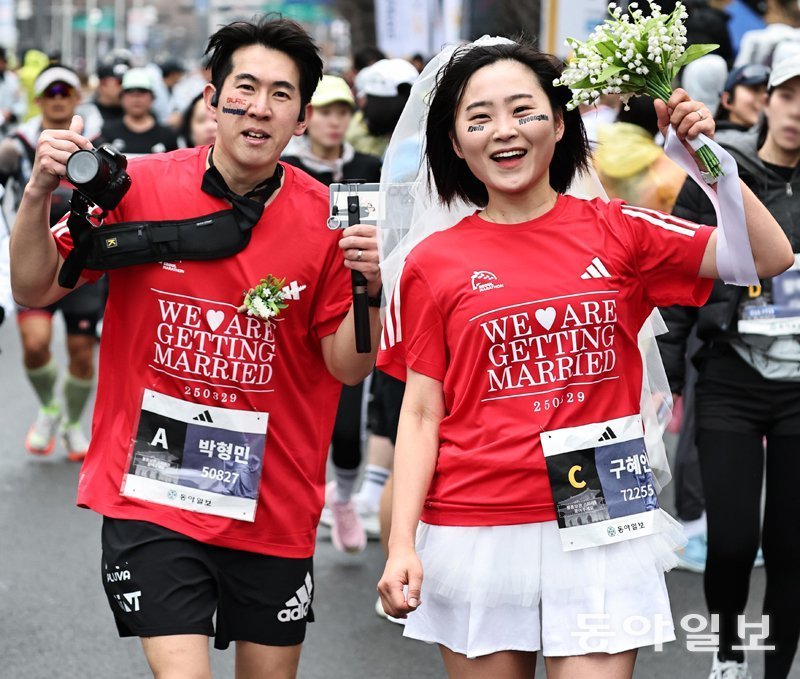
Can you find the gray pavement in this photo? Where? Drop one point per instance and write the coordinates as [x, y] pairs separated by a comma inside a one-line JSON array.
[[55, 623]]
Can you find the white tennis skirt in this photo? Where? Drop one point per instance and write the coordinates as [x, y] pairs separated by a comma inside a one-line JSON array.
[[497, 588]]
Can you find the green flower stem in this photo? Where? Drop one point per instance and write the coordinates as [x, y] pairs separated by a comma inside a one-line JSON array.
[[711, 161]]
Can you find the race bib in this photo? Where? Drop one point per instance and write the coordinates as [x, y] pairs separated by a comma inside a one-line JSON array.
[[782, 315], [196, 457], [602, 485]]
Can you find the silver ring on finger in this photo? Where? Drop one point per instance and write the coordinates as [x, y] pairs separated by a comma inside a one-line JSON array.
[[359, 255], [700, 115]]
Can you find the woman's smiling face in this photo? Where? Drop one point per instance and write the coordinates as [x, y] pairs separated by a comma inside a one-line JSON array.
[[505, 128]]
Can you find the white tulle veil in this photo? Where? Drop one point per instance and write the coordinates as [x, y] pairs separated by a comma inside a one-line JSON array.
[[412, 211]]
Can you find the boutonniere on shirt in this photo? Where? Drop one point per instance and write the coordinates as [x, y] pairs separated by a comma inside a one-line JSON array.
[[265, 300]]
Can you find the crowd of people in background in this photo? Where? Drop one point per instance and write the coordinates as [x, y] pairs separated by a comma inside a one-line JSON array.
[[712, 358]]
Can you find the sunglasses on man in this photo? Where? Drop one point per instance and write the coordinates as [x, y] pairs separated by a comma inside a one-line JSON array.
[[58, 90]]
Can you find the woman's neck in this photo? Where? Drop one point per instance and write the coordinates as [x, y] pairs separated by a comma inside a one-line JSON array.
[[770, 152], [505, 208], [325, 152]]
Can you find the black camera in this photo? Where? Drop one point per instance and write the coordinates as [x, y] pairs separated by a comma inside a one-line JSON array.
[[99, 175]]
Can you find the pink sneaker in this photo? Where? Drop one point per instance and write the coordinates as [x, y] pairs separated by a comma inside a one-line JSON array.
[[347, 533]]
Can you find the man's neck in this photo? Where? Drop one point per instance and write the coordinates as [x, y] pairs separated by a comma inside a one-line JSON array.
[[772, 153], [241, 181], [142, 124], [55, 124], [111, 102], [325, 152]]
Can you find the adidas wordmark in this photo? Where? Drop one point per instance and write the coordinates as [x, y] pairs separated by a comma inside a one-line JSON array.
[[297, 607]]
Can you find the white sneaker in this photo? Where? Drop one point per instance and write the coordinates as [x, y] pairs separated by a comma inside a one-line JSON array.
[[75, 442], [729, 669], [41, 437]]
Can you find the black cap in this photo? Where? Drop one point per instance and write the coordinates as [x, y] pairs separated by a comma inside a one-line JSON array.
[[749, 74], [111, 71], [172, 66]]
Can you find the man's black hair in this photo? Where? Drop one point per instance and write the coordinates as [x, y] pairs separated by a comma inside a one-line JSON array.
[[367, 56], [452, 176], [283, 35]]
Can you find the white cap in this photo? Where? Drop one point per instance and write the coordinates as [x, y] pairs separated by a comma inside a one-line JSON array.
[[383, 77], [705, 78], [137, 79], [55, 74], [785, 70]]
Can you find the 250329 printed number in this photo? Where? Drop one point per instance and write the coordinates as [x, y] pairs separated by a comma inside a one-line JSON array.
[[557, 401], [201, 392]]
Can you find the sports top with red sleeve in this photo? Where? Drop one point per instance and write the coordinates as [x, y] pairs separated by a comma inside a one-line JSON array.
[[532, 327], [175, 352]]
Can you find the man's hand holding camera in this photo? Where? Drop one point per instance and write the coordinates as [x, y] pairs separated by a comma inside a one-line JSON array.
[[359, 244], [52, 151]]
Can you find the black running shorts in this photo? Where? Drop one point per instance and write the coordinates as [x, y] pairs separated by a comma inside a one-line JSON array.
[[160, 583], [82, 308]]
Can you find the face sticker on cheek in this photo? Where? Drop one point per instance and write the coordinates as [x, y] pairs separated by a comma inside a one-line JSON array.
[[235, 100], [530, 119], [475, 128], [233, 111]]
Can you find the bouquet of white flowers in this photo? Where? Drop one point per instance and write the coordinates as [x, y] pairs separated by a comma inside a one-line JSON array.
[[266, 300], [630, 54]]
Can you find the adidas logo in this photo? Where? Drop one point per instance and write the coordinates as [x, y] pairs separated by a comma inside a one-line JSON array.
[[205, 416], [297, 607], [596, 270], [608, 434]]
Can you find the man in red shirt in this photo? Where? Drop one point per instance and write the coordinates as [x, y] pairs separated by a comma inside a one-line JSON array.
[[212, 427]]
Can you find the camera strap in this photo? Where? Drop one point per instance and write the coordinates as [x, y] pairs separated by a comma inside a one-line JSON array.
[[214, 236]]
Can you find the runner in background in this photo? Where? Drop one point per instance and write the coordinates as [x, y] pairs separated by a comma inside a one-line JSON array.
[[57, 95], [748, 392], [324, 153]]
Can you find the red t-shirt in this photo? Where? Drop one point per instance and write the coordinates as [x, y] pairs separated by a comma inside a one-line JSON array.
[[174, 329], [532, 327]]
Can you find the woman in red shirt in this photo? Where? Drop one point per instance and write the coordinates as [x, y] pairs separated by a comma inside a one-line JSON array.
[[521, 445]]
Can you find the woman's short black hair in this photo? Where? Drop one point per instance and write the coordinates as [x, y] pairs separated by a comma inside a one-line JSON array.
[[185, 131], [277, 33], [451, 175]]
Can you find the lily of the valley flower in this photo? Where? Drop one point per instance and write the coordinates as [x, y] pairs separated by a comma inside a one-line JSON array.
[[632, 54]]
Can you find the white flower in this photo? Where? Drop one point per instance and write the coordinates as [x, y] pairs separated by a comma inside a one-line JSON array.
[[261, 308]]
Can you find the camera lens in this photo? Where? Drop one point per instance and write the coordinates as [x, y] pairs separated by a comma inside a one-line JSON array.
[[82, 167]]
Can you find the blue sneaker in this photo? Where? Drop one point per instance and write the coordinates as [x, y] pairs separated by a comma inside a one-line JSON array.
[[759, 562], [693, 557]]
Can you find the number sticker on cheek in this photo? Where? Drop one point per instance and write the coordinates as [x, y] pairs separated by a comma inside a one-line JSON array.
[[475, 128], [530, 119]]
